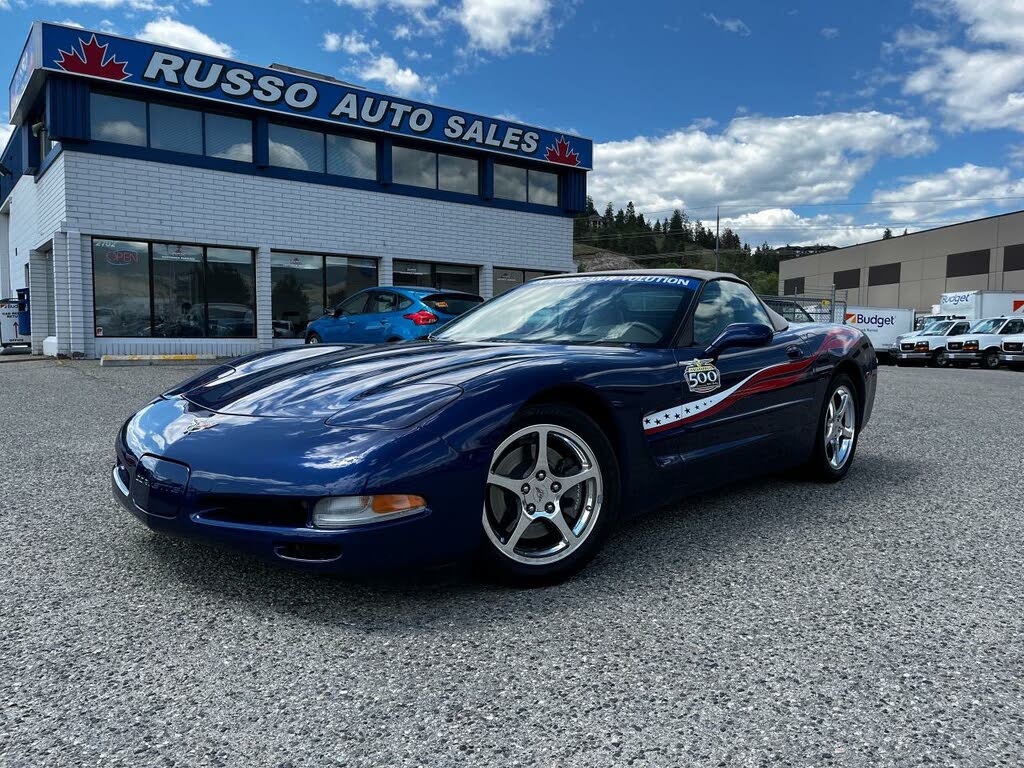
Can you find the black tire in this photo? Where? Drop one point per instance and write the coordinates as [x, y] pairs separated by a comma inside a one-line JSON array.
[[501, 566], [314, 338], [940, 359], [394, 339], [819, 467], [990, 359]]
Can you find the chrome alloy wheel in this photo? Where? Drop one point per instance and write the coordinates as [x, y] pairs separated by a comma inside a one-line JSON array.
[[543, 495], [840, 427]]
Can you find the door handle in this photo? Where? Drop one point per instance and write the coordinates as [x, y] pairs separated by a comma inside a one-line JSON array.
[[794, 352]]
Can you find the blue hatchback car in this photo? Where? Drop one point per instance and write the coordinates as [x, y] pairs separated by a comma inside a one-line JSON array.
[[377, 315]]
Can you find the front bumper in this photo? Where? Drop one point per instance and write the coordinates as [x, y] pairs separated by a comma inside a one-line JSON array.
[[251, 484], [915, 356], [963, 357], [1012, 357]]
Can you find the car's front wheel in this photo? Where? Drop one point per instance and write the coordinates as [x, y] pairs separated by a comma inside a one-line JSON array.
[[551, 496], [991, 359], [836, 440], [314, 338], [940, 359]]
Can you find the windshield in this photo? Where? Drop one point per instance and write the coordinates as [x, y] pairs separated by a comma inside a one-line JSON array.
[[936, 329], [987, 326], [603, 309]]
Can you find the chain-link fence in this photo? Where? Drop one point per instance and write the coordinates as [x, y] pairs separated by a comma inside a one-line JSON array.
[[826, 305]]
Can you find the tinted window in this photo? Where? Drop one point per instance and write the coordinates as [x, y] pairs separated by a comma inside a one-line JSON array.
[[1014, 326], [296, 148], [959, 328], [356, 158], [721, 304], [346, 276], [175, 129], [969, 263], [120, 272], [416, 273], [178, 290], [297, 292], [356, 305], [884, 274], [230, 292], [507, 279], [122, 121], [458, 174], [543, 188], [229, 137], [509, 182], [382, 301], [414, 167], [456, 278], [451, 304], [1013, 258], [793, 286], [846, 279]]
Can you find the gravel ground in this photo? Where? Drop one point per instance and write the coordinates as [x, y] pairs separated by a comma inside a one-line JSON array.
[[877, 622]]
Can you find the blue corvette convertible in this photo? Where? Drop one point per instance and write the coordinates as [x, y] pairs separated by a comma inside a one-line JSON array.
[[517, 433]]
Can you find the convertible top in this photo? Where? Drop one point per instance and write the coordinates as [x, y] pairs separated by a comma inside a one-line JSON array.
[[778, 321]]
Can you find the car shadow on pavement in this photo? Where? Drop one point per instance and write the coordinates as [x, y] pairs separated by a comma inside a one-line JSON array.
[[651, 549]]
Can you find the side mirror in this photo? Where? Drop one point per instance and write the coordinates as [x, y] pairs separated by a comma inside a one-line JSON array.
[[740, 335], [337, 312]]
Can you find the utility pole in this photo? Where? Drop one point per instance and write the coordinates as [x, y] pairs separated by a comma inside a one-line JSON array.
[[718, 221]]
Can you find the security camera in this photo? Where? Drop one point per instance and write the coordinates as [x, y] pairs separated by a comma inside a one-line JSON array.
[[38, 128]]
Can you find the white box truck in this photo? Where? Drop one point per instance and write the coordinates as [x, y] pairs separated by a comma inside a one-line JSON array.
[[975, 305], [883, 325]]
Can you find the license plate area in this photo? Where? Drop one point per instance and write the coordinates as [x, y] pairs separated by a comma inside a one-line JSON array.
[[158, 487]]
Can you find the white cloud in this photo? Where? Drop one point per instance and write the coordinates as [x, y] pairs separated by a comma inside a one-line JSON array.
[[5, 5], [402, 32], [72, 23], [783, 226], [830, 33], [201, 3], [331, 42], [373, 5], [401, 80], [736, 26], [354, 44], [5, 133], [952, 191], [754, 162], [500, 26], [979, 86], [172, 32]]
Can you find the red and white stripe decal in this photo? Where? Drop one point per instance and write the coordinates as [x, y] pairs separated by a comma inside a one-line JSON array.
[[765, 380]]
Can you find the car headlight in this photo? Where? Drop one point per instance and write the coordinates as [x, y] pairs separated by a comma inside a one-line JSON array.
[[921, 346], [336, 512], [971, 346]]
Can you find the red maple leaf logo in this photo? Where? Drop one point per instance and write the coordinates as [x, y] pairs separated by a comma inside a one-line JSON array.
[[562, 152], [92, 61]]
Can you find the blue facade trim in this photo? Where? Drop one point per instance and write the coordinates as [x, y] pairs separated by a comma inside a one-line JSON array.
[[261, 142], [573, 190]]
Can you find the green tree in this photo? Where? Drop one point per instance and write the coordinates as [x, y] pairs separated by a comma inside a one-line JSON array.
[[887, 234]]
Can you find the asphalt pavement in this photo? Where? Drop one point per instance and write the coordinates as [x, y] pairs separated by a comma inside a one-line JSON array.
[[875, 622]]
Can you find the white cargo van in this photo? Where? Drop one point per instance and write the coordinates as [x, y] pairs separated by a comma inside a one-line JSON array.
[[883, 325]]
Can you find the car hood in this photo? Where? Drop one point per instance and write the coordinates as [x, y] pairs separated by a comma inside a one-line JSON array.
[[378, 386]]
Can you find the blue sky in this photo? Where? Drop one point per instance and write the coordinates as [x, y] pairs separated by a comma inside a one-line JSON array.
[[806, 121]]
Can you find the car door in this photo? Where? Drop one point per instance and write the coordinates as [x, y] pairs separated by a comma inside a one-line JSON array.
[[375, 324], [736, 413], [342, 325]]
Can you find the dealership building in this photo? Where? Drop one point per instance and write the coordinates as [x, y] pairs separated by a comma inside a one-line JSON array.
[[912, 271], [156, 201]]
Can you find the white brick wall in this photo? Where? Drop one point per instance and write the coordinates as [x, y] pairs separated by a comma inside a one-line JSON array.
[[118, 197], [36, 210]]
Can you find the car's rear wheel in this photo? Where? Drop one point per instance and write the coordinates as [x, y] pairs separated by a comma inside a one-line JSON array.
[[836, 441], [990, 359], [940, 359], [551, 496], [314, 338]]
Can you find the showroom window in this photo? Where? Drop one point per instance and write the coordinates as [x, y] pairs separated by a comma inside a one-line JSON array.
[[356, 158], [448, 277], [306, 285], [121, 121], [543, 187], [172, 290], [296, 148], [175, 129], [507, 279], [431, 170], [458, 174]]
